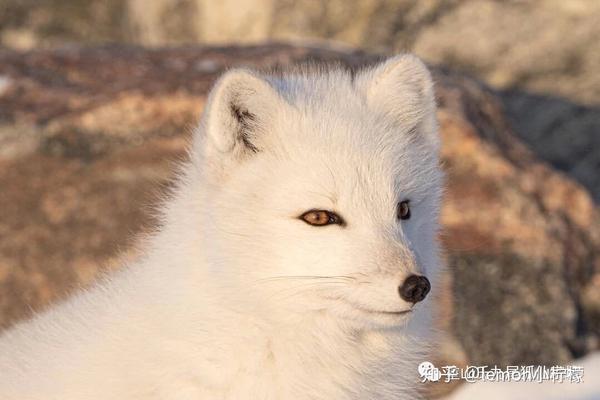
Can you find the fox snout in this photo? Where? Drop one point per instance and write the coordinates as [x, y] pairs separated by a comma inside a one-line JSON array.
[[414, 289]]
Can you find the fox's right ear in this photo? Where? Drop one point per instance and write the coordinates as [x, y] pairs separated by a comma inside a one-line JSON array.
[[238, 113], [402, 88]]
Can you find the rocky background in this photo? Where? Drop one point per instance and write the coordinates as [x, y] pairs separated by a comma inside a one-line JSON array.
[[542, 55], [90, 135], [89, 139]]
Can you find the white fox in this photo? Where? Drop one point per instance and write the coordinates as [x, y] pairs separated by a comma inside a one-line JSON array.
[[293, 260]]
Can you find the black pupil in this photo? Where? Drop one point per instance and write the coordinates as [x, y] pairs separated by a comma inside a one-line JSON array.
[[404, 210]]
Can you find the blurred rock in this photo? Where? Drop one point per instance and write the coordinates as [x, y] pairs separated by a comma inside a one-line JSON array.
[[563, 133], [522, 240], [89, 138], [546, 46], [544, 53]]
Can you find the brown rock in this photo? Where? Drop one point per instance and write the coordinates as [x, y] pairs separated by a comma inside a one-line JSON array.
[[88, 139]]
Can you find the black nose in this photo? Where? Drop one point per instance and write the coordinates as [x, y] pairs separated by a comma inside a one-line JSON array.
[[414, 289]]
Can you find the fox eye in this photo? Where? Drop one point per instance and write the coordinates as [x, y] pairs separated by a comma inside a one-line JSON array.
[[321, 218], [403, 210]]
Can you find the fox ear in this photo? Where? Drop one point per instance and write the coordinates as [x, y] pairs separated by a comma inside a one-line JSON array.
[[402, 88], [238, 112]]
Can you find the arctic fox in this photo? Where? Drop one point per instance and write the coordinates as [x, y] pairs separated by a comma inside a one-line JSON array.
[[293, 260]]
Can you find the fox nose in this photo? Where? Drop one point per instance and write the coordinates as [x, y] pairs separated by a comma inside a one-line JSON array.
[[415, 288]]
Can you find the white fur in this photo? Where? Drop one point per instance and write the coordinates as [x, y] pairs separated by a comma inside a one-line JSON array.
[[221, 306]]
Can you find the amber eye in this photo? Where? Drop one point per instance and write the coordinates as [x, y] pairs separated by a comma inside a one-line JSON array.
[[403, 210], [321, 218]]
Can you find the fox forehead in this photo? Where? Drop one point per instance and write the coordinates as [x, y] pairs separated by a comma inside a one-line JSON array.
[[329, 114], [369, 181], [336, 148], [340, 154]]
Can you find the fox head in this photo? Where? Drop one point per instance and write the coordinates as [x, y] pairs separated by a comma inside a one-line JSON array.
[[322, 190]]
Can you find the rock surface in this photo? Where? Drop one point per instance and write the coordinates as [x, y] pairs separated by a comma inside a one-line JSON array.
[[89, 138]]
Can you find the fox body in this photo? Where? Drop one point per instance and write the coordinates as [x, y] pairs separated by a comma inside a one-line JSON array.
[[280, 267]]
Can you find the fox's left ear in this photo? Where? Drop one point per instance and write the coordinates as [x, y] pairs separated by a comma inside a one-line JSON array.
[[402, 88], [237, 119]]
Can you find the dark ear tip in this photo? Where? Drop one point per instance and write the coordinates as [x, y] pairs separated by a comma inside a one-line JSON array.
[[245, 123], [236, 109]]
